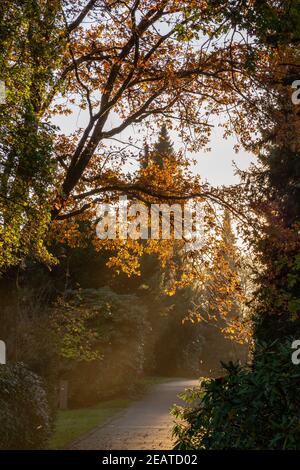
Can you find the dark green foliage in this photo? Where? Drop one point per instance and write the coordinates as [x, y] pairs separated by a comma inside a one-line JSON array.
[[179, 347], [258, 407], [175, 346], [273, 23], [145, 157], [24, 410], [121, 330], [249, 408], [163, 148], [278, 297], [25, 298]]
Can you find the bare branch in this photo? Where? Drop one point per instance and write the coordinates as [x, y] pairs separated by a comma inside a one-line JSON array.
[[77, 22]]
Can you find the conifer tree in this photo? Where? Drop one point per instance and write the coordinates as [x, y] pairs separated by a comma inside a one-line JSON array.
[[145, 157], [225, 276], [163, 148]]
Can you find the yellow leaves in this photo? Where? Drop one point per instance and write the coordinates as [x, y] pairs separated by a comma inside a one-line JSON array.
[[170, 292], [238, 330], [24, 234], [126, 257]]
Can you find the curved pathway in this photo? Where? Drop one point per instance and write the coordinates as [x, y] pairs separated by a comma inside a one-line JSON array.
[[146, 424]]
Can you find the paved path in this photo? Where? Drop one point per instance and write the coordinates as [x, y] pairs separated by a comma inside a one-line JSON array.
[[146, 424]]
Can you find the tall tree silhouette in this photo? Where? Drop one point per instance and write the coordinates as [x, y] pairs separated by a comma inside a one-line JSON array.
[[163, 149], [225, 277], [145, 157]]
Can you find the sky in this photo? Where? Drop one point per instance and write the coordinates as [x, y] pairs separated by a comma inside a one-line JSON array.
[[215, 166]]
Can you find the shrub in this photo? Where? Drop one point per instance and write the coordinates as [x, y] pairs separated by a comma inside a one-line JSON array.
[[116, 329], [24, 411], [255, 407]]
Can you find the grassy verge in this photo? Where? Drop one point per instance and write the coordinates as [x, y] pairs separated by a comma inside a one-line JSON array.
[[71, 424]]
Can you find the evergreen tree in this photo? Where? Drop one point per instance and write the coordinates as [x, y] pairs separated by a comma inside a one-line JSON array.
[[228, 236], [163, 148], [222, 295], [145, 157], [166, 314], [224, 280]]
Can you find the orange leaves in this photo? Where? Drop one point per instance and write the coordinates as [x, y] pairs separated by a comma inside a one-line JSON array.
[[125, 255], [66, 232]]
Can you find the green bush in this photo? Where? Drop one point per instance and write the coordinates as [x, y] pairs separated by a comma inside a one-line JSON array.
[[117, 329], [24, 411], [255, 407]]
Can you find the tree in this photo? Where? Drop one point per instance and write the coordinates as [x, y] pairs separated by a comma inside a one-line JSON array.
[[219, 303], [167, 313], [30, 52], [277, 307], [163, 148], [52, 61], [272, 190]]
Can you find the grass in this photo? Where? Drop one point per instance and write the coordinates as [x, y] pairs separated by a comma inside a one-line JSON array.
[[71, 424]]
